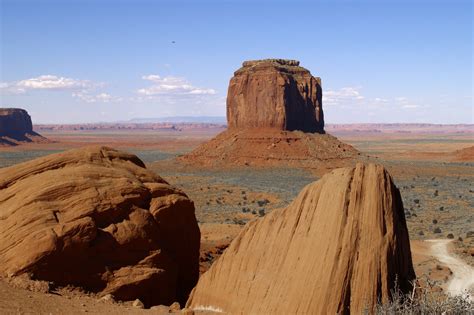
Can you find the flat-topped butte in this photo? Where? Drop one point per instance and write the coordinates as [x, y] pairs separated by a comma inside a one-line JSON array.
[[281, 65], [283, 62]]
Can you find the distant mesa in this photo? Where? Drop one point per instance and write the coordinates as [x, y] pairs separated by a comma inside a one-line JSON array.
[[275, 118], [275, 93], [96, 218], [16, 127], [340, 247]]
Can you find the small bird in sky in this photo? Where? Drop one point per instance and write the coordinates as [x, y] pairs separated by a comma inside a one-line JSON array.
[[173, 42]]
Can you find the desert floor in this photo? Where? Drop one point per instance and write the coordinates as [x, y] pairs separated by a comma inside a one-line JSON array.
[[436, 186]]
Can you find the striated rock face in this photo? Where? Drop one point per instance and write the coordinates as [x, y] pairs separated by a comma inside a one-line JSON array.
[[98, 219], [275, 93], [337, 248], [16, 126]]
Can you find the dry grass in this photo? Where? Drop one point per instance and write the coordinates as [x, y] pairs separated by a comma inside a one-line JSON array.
[[426, 299]]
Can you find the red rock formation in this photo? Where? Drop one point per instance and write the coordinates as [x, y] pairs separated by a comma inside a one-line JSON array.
[[275, 93], [16, 127], [98, 219], [270, 147], [337, 248], [275, 118]]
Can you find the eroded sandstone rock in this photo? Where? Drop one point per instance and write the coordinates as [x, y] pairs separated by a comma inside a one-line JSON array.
[[97, 218], [275, 93], [337, 248]]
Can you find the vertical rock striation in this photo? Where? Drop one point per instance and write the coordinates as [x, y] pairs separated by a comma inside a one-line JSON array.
[[337, 248], [275, 93]]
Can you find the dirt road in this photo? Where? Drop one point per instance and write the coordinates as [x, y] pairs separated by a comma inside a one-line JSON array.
[[462, 281]]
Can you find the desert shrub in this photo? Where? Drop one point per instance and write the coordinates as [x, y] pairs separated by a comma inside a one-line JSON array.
[[425, 300], [238, 221]]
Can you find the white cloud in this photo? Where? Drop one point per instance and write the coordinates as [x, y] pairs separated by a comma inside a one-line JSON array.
[[84, 90], [171, 86], [405, 103], [44, 82], [410, 106], [351, 97], [91, 98], [342, 96], [350, 105]]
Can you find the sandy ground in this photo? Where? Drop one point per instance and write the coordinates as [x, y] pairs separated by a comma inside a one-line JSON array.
[[411, 147], [16, 299]]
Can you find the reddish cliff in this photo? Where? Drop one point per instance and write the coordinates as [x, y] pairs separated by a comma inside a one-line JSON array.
[[275, 93], [16, 127]]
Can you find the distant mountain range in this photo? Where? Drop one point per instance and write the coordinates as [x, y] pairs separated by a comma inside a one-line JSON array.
[[180, 119]]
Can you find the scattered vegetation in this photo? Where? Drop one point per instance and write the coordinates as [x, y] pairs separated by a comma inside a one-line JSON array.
[[426, 300], [14, 157]]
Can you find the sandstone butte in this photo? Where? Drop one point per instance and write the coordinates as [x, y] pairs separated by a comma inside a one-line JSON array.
[[16, 127], [337, 248], [275, 118], [275, 93], [96, 218]]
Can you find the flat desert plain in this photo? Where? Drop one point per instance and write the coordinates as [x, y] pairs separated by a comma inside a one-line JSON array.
[[433, 166]]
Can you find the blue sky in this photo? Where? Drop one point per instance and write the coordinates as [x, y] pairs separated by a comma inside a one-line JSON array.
[[380, 61]]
